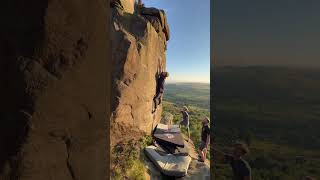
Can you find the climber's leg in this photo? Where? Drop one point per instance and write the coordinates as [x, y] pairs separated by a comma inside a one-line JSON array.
[[156, 101], [188, 133], [160, 98], [155, 104], [201, 156], [202, 152]]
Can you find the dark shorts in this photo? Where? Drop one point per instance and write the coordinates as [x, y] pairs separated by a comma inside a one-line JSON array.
[[202, 145]]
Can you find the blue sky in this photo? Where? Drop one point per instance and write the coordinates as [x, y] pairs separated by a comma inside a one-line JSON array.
[[188, 54]]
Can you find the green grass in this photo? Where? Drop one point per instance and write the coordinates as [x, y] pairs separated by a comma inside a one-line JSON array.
[[273, 161], [274, 110], [196, 116], [127, 159], [196, 96]]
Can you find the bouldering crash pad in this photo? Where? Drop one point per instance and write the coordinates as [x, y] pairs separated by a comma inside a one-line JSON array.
[[168, 164], [168, 134]]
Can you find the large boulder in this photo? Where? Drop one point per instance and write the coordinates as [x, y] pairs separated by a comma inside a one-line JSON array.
[[160, 15], [54, 75], [138, 55]]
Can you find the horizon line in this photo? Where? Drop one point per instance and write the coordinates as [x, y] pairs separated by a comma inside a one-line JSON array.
[[264, 65], [199, 82]]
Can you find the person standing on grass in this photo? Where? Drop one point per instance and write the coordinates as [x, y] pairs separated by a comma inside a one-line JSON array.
[[185, 120], [241, 168], [205, 139]]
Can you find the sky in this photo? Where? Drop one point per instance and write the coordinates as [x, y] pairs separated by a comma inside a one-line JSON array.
[[188, 53], [267, 32]]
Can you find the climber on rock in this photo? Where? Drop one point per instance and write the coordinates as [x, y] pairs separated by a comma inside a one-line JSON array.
[[241, 169], [205, 139], [185, 120], [159, 89]]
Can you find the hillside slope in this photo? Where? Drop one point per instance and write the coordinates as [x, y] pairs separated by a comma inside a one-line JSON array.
[[195, 94]]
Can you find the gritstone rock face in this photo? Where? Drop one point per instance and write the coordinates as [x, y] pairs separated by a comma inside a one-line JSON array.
[[54, 89], [139, 43]]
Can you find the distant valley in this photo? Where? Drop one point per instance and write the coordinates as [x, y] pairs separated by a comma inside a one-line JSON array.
[[276, 110]]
